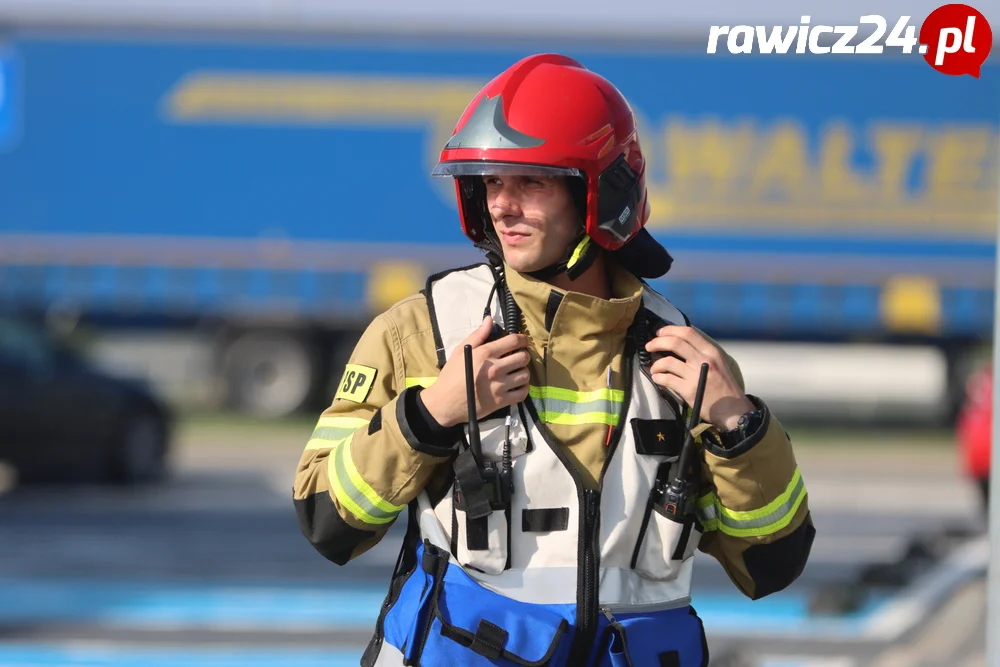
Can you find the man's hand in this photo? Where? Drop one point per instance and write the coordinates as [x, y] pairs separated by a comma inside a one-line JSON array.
[[500, 370], [724, 401]]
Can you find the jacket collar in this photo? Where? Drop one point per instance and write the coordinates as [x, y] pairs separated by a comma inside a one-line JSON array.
[[549, 311]]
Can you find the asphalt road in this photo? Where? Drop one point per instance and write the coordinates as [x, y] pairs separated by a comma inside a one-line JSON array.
[[210, 569]]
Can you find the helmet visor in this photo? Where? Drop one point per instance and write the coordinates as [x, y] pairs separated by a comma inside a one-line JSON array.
[[489, 168]]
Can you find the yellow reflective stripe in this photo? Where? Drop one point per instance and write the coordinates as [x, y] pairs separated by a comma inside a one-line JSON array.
[[768, 509], [556, 405], [345, 499], [753, 523], [330, 431], [582, 418], [354, 493], [323, 443], [420, 382], [342, 422], [558, 393], [361, 485]]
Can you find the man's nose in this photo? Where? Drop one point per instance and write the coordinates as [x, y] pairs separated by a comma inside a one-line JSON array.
[[505, 203]]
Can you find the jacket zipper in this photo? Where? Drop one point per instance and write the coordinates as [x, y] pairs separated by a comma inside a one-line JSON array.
[[590, 555], [587, 616], [590, 500]]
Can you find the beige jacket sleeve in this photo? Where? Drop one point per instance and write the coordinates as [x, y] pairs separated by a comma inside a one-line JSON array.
[[363, 463], [754, 508]]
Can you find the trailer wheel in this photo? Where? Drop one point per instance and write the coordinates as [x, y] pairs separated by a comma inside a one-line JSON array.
[[268, 374]]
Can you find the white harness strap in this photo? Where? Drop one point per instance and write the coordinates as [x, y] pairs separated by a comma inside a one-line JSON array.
[[459, 299]]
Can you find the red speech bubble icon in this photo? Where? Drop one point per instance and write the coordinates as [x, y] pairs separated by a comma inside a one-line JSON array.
[[956, 39]]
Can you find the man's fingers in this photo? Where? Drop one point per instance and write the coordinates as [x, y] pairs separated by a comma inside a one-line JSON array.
[[689, 334], [515, 394], [674, 382], [671, 365], [678, 346], [510, 363], [506, 344], [479, 336], [518, 378]]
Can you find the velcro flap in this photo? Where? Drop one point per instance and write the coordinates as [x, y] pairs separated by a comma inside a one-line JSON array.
[[544, 520], [658, 437], [484, 621]]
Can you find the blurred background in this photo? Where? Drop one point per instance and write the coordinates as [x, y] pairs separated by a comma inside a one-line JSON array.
[[204, 202]]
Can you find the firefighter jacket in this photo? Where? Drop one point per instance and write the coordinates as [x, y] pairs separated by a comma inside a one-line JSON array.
[[580, 563]]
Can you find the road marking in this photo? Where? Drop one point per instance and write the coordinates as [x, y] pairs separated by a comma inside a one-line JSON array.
[[906, 611], [804, 661], [940, 641], [976, 660]]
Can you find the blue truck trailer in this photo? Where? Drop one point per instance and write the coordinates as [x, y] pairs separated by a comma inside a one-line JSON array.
[[274, 189]]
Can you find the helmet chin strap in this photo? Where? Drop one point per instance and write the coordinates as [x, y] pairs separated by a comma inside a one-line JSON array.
[[579, 257]]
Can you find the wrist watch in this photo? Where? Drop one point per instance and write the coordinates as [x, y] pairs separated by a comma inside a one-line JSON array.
[[747, 426]]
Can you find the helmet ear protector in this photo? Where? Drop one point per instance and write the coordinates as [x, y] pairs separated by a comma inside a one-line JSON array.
[[619, 190]]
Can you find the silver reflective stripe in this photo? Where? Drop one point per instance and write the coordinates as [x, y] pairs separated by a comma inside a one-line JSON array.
[[333, 432], [770, 519], [706, 514], [767, 520], [620, 587], [571, 408], [350, 489], [488, 128], [649, 608]]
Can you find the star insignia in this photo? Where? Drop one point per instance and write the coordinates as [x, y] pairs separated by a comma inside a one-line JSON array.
[[659, 436]]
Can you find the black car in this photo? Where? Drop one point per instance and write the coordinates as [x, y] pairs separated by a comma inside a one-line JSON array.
[[63, 420]]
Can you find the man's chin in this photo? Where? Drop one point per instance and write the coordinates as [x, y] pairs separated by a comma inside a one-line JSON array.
[[522, 264]]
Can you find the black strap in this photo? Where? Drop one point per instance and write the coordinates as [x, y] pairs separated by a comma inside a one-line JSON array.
[[551, 306], [375, 425], [435, 563], [683, 541], [477, 534], [510, 550], [670, 659], [454, 520], [544, 520], [475, 498], [489, 640], [406, 563]]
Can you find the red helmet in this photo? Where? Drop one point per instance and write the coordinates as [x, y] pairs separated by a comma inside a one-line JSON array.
[[550, 115]]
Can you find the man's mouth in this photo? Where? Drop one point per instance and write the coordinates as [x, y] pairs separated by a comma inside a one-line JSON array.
[[513, 237]]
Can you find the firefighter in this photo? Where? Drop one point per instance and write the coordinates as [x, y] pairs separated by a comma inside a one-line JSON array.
[[542, 535]]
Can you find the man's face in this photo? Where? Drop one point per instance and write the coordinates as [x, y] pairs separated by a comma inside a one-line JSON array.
[[534, 217]]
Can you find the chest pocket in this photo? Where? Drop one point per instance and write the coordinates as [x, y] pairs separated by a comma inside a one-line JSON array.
[[658, 437], [484, 544], [662, 544]]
